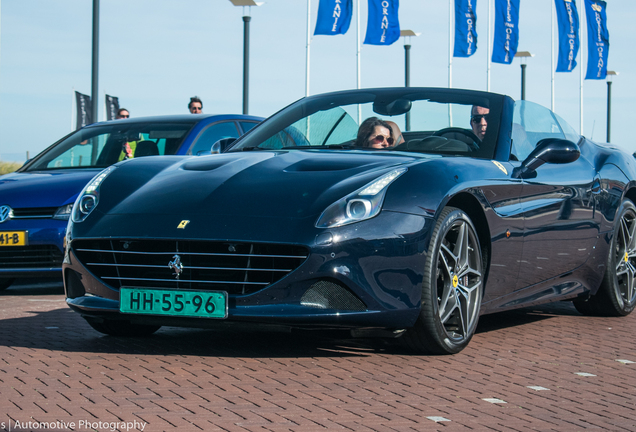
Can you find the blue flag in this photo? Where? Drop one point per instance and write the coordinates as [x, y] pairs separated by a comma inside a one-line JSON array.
[[334, 17], [568, 19], [597, 39], [506, 31], [383, 27], [465, 28]]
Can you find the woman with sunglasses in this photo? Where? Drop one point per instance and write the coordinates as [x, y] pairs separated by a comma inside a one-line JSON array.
[[374, 133]]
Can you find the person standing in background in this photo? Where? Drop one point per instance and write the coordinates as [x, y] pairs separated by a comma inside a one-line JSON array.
[[122, 114], [195, 106]]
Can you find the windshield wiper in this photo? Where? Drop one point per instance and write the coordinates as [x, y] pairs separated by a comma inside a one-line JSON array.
[[249, 149], [321, 147], [302, 147]]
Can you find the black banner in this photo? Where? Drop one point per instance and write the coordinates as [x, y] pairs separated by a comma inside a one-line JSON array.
[[83, 108], [112, 107]]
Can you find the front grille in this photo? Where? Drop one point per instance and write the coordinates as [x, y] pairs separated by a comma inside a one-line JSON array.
[[34, 213], [238, 268], [30, 257]]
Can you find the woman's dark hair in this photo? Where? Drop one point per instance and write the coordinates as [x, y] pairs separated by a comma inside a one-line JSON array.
[[195, 99], [366, 129]]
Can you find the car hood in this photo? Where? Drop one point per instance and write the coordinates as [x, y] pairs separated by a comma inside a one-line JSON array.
[[287, 184], [43, 189]]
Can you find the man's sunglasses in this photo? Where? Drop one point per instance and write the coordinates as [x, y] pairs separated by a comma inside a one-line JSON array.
[[195, 108], [380, 138], [477, 118]]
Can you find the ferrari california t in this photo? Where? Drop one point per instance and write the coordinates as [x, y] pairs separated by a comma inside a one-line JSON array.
[[36, 200], [405, 213]]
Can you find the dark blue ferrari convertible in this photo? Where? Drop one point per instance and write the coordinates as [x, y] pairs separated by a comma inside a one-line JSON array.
[[405, 212], [36, 201]]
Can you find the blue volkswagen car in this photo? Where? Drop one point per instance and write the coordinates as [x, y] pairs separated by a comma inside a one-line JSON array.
[[36, 200]]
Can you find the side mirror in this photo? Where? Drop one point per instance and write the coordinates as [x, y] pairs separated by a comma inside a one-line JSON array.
[[216, 148], [548, 150], [221, 145]]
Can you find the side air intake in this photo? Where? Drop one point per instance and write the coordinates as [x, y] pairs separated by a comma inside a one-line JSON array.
[[330, 295]]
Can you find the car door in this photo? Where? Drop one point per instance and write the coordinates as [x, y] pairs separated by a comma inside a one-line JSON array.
[[560, 223]]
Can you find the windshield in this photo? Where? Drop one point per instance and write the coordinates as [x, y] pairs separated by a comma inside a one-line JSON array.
[[532, 123], [440, 121], [104, 145]]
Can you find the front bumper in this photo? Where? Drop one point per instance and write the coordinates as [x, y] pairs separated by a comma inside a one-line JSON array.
[[376, 263], [43, 254]]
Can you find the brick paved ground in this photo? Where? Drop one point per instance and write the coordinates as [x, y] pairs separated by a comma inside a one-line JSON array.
[[546, 368]]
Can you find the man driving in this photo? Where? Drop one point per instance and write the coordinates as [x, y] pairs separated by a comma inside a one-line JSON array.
[[479, 121]]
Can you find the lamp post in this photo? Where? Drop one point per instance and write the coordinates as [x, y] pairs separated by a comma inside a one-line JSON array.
[[523, 55], [609, 76], [95, 63], [246, 48], [407, 66]]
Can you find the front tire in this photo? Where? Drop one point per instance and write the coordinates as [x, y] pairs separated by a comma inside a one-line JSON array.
[[121, 328], [617, 294], [452, 287]]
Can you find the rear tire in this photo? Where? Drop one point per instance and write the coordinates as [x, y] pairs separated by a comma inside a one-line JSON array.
[[617, 294], [451, 289], [121, 328]]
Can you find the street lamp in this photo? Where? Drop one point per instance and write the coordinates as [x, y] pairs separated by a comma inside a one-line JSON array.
[[407, 66], [523, 55], [246, 48], [95, 63], [609, 76]]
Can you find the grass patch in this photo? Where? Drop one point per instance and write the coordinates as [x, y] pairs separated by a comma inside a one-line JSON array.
[[9, 167]]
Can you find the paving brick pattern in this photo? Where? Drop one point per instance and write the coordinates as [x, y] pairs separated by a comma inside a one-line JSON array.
[[546, 368]]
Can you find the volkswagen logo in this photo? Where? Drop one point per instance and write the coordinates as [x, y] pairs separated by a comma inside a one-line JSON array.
[[176, 265], [5, 213]]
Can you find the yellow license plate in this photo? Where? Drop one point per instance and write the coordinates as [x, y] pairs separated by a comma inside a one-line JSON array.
[[13, 238]]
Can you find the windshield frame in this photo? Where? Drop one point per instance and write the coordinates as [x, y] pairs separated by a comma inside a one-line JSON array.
[[100, 129], [313, 104]]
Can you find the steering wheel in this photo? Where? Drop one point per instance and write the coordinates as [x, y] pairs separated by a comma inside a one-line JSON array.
[[474, 145]]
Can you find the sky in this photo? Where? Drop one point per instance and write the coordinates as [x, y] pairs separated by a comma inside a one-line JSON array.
[[155, 54]]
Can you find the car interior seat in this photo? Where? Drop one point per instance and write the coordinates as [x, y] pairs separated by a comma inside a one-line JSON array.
[[146, 148]]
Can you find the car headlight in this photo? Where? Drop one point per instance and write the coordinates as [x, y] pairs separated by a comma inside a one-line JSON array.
[[360, 205], [89, 197], [63, 212]]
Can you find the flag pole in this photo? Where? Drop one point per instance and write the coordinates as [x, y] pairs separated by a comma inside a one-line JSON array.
[[488, 54], [450, 43], [450, 58], [552, 11], [73, 110], [582, 26], [308, 42], [358, 55]]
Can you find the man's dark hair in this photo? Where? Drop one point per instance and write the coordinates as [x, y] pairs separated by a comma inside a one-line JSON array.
[[195, 99], [366, 129], [122, 109]]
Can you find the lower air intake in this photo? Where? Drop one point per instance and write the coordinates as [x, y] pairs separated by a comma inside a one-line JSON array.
[[330, 295]]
